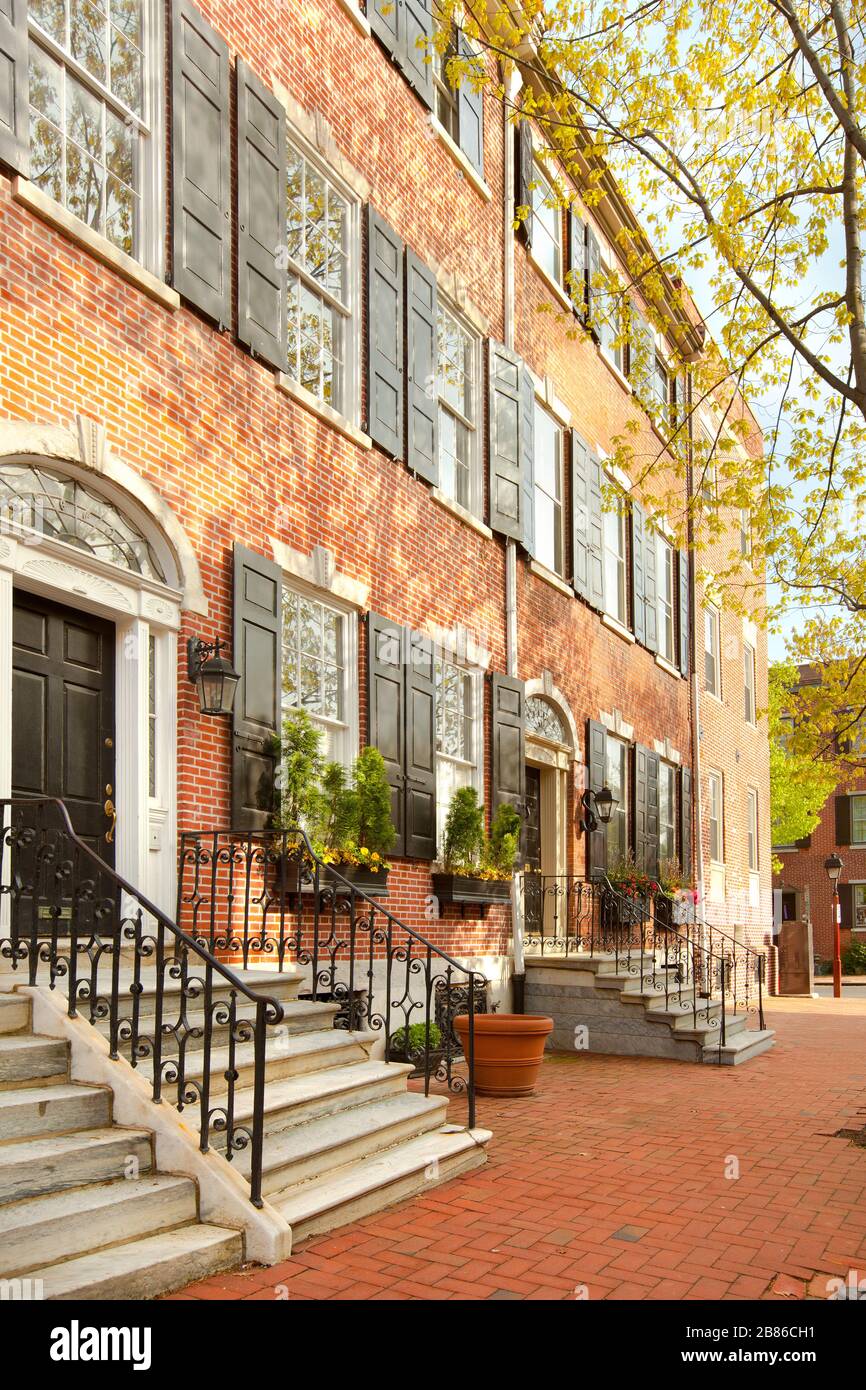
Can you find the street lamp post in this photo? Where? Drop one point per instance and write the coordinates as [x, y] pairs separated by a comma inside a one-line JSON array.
[[834, 866]]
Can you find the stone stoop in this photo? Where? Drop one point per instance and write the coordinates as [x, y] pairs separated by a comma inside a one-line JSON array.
[[83, 1212], [628, 1014]]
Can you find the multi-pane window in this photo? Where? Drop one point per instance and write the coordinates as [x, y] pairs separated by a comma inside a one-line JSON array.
[[665, 592], [712, 666], [858, 820], [745, 533], [610, 328], [314, 665], [667, 811], [446, 96], [457, 740], [860, 906], [546, 225], [749, 704], [661, 387], [615, 588], [548, 490], [458, 408], [318, 232], [617, 779], [716, 814], [89, 131], [752, 828]]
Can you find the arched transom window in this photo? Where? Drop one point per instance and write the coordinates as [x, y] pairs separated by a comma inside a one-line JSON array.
[[60, 508], [543, 721]]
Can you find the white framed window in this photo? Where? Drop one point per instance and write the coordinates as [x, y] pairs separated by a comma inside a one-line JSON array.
[[752, 829], [457, 384], [323, 254], [447, 105], [320, 667], [96, 102], [548, 444], [706, 466], [716, 815], [617, 779], [667, 811], [546, 224], [615, 578], [610, 323], [858, 820], [665, 593], [750, 710], [745, 533], [458, 734], [712, 651], [859, 895]]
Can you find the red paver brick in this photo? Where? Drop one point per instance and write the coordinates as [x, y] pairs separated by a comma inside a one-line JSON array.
[[567, 1172]]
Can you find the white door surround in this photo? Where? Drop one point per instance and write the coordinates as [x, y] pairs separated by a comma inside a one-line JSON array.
[[141, 610]]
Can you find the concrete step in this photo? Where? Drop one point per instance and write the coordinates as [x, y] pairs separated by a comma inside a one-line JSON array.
[[33, 1167], [370, 1184], [742, 1047], [146, 1268], [307, 1151], [295, 1100], [25, 1057], [63, 1225], [300, 1016], [286, 1056], [14, 1012], [284, 987], [26, 1112]]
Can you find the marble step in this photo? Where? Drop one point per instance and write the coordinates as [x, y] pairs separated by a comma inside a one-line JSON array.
[[33, 1167], [27, 1112], [14, 1012], [25, 1057], [743, 1047], [145, 1268], [287, 1056], [300, 1016]]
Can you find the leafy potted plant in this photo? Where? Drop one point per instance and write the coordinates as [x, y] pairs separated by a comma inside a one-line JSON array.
[[633, 890], [411, 1043], [476, 868], [298, 753], [355, 822], [668, 888]]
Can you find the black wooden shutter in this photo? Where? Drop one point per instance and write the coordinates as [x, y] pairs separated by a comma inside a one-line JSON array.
[[14, 85], [262, 273], [580, 546], [685, 611], [420, 746], [523, 179], [383, 16], [577, 262], [846, 905], [201, 164], [470, 111], [527, 459], [686, 824], [650, 580], [256, 652], [414, 33], [843, 820], [385, 337], [508, 743], [646, 809], [593, 272], [596, 766], [596, 536], [421, 349], [386, 723], [639, 537], [504, 438]]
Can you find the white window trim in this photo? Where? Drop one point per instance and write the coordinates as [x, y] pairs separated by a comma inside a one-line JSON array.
[[477, 779], [619, 623], [662, 544], [350, 725], [753, 666], [359, 20], [855, 884], [476, 459], [715, 776], [717, 622], [350, 412], [541, 400], [856, 844], [153, 184], [541, 172]]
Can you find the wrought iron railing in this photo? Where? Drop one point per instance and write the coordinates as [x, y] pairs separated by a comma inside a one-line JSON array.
[[698, 968], [266, 897], [69, 921]]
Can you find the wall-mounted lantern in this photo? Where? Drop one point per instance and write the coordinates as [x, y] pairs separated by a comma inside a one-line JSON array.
[[213, 676]]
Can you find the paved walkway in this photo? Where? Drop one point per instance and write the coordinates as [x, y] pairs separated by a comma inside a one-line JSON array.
[[630, 1178]]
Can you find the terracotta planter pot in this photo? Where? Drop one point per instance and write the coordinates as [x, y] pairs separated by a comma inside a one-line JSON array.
[[508, 1051]]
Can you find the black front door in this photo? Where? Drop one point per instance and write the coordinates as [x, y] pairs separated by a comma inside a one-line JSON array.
[[63, 731], [533, 894]]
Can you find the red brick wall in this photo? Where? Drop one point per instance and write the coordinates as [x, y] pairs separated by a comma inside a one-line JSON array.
[[803, 871]]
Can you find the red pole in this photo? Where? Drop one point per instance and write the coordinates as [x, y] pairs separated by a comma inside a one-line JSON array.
[[837, 948]]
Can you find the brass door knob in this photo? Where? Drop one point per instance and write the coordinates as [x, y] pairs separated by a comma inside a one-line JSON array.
[[110, 810]]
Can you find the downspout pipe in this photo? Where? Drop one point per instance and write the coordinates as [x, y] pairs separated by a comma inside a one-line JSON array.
[[518, 979]]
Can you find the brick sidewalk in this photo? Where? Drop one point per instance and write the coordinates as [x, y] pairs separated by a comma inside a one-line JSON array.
[[611, 1183]]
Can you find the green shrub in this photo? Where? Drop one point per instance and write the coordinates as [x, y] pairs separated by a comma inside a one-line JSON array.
[[854, 959], [371, 802], [463, 841], [504, 841], [417, 1036], [298, 752]]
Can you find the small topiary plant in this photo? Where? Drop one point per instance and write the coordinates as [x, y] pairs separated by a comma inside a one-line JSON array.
[[375, 831], [298, 752], [503, 842], [463, 840], [336, 825], [408, 1042]]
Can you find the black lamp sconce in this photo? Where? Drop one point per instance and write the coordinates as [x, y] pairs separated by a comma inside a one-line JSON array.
[[598, 807], [213, 676]]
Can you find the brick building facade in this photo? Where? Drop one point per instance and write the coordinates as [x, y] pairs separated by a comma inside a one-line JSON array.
[[368, 407]]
